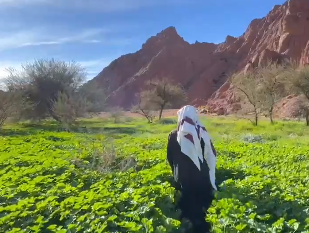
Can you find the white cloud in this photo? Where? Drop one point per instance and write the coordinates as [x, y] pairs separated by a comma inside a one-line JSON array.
[[38, 37]]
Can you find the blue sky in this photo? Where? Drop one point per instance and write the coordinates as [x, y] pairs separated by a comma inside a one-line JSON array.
[[95, 32]]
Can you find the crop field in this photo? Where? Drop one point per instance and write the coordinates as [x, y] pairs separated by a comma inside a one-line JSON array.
[[113, 177]]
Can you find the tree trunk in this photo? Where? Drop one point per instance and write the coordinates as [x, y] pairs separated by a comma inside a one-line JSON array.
[[161, 111], [271, 115], [307, 117], [149, 119], [256, 118]]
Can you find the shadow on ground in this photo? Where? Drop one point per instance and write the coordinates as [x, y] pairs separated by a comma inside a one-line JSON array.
[[225, 174], [83, 127], [268, 201], [169, 209]]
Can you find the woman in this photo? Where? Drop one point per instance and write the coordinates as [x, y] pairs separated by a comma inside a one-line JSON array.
[[192, 158]]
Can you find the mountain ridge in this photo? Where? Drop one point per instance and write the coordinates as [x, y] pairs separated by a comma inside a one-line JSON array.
[[203, 68]]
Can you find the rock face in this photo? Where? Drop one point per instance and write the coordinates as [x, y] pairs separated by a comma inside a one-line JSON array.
[[203, 68], [282, 34], [289, 107], [196, 66]]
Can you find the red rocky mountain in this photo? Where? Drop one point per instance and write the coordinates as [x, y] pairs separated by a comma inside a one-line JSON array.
[[203, 68]]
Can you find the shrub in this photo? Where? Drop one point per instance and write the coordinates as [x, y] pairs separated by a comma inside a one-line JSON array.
[[116, 113], [12, 104], [167, 121], [68, 107], [105, 159], [249, 138]]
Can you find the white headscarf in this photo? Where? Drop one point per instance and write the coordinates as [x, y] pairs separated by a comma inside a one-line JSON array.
[[190, 133]]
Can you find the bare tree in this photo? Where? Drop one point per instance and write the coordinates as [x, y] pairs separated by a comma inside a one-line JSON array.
[[163, 93], [11, 105], [272, 86], [142, 108], [298, 81], [248, 86], [116, 113]]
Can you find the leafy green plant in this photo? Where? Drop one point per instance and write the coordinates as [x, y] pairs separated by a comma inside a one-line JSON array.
[[263, 186]]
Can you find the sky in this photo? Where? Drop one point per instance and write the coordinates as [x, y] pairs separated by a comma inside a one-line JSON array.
[[95, 32]]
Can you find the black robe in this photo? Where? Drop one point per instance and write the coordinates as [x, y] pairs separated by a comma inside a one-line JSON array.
[[194, 184]]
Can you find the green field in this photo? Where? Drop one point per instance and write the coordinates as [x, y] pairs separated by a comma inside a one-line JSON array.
[[54, 181]]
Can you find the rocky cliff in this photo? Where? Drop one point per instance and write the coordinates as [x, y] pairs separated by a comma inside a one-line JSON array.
[[196, 66], [203, 68], [282, 34]]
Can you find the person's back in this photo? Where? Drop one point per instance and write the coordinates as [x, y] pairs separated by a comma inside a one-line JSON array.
[[186, 174], [185, 154]]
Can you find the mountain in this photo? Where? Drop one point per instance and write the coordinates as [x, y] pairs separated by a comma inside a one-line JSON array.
[[203, 68], [282, 34]]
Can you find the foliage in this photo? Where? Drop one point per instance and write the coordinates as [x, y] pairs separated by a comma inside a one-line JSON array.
[[298, 81], [41, 81], [248, 87], [162, 93], [116, 113], [168, 121], [272, 86], [263, 186], [68, 106], [95, 95], [11, 106], [104, 159], [253, 138]]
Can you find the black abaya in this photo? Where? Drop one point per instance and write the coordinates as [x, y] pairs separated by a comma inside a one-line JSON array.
[[193, 184]]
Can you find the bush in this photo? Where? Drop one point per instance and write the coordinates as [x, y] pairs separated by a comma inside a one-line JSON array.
[[101, 159], [68, 107], [128, 119], [167, 121], [104, 159], [41, 81], [249, 138], [12, 104], [116, 113]]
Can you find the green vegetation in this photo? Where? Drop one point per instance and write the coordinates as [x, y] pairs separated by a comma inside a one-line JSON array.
[[50, 89], [261, 88], [83, 181]]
